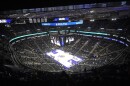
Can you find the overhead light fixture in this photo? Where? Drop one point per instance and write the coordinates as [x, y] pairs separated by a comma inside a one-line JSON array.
[[18, 17], [38, 29], [119, 29], [92, 20], [123, 3], [102, 28], [114, 19], [26, 14], [27, 30], [92, 11], [89, 27]]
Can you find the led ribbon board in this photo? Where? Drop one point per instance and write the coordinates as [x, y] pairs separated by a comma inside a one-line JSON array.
[[23, 36], [82, 32], [64, 58], [63, 23]]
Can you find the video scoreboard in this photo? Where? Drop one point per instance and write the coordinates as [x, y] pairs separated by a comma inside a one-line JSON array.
[[63, 23]]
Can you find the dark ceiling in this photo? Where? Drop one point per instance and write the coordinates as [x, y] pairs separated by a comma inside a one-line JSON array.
[[21, 4]]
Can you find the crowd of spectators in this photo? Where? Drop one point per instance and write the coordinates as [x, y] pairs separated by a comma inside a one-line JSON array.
[[31, 52], [106, 75]]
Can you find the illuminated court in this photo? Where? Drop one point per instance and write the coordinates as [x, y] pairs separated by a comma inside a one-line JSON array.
[[64, 58]]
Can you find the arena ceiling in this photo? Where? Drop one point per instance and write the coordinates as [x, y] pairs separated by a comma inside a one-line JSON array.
[[94, 13], [114, 10], [27, 4]]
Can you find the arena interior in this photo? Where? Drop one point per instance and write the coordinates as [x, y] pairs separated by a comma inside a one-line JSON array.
[[70, 45]]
